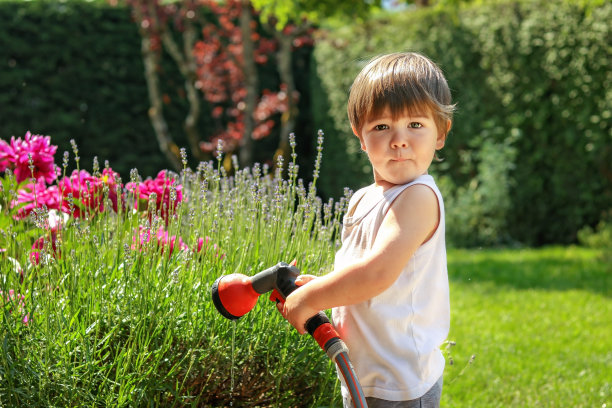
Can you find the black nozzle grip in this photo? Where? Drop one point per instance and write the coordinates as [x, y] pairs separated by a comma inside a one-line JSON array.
[[319, 327], [315, 321], [281, 277]]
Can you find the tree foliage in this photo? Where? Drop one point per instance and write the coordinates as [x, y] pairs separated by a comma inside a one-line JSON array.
[[217, 47], [294, 11]]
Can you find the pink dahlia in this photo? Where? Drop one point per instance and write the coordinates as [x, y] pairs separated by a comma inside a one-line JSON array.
[[145, 235], [164, 240], [39, 245], [36, 195], [204, 243], [110, 179], [33, 150], [166, 189], [87, 192]]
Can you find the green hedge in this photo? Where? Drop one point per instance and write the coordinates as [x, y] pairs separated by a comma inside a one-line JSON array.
[[74, 71], [529, 158]]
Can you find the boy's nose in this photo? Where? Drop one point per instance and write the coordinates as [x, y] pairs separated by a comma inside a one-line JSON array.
[[399, 141]]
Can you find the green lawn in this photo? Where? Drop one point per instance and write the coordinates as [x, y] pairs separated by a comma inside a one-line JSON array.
[[539, 323]]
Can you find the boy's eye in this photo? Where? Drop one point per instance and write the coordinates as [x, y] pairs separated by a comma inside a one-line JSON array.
[[381, 127], [415, 125]]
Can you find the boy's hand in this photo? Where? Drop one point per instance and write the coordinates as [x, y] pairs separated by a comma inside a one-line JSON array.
[[294, 308], [304, 279]]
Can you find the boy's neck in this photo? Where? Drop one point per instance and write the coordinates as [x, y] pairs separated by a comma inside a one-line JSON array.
[[385, 185]]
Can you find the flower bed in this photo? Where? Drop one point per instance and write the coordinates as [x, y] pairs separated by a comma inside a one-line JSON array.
[[106, 285]]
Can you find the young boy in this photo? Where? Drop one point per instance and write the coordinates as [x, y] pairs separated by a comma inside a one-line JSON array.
[[389, 287]]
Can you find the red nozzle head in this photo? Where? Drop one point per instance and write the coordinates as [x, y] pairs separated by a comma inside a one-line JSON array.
[[233, 295]]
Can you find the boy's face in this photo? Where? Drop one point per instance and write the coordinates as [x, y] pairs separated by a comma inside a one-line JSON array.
[[400, 150]]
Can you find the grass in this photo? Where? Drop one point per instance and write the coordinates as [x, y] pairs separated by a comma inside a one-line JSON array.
[[539, 323]]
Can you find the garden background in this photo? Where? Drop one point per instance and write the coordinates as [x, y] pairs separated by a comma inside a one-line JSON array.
[[96, 314]]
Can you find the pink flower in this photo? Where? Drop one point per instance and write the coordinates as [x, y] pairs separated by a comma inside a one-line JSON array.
[[109, 178], [82, 186], [35, 150], [39, 245], [15, 303], [87, 192], [163, 240], [7, 156], [200, 245], [36, 195], [166, 189]]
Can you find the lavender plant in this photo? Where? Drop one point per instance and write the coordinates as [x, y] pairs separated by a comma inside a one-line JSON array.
[[105, 287]]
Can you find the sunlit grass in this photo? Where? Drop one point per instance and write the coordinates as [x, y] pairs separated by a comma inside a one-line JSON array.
[[539, 323]]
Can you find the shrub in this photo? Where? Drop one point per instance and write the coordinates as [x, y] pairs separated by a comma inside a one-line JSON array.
[[599, 237], [73, 70], [477, 212]]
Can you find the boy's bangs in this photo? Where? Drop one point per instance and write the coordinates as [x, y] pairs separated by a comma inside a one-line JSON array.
[[414, 101]]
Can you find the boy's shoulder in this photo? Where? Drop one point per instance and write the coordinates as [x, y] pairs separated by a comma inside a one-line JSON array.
[[424, 180], [357, 198], [423, 187]]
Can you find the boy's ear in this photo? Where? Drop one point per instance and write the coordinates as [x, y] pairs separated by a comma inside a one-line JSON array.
[[363, 147], [442, 136]]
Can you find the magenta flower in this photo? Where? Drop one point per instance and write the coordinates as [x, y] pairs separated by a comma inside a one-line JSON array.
[[7, 156], [169, 193], [164, 240], [144, 236], [36, 195], [82, 186], [110, 178], [33, 150], [87, 192], [39, 245], [200, 246]]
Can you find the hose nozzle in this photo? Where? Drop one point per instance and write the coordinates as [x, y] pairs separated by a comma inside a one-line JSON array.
[[235, 295]]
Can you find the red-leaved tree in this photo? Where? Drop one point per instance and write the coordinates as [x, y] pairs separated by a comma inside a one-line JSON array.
[[218, 60]]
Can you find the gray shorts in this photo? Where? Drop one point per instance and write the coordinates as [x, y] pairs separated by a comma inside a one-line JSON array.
[[431, 399]]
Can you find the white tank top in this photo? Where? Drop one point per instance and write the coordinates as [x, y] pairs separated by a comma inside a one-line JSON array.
[[394, 338]]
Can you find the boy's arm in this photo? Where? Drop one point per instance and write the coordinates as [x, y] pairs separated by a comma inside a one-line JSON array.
[[411, 221]]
